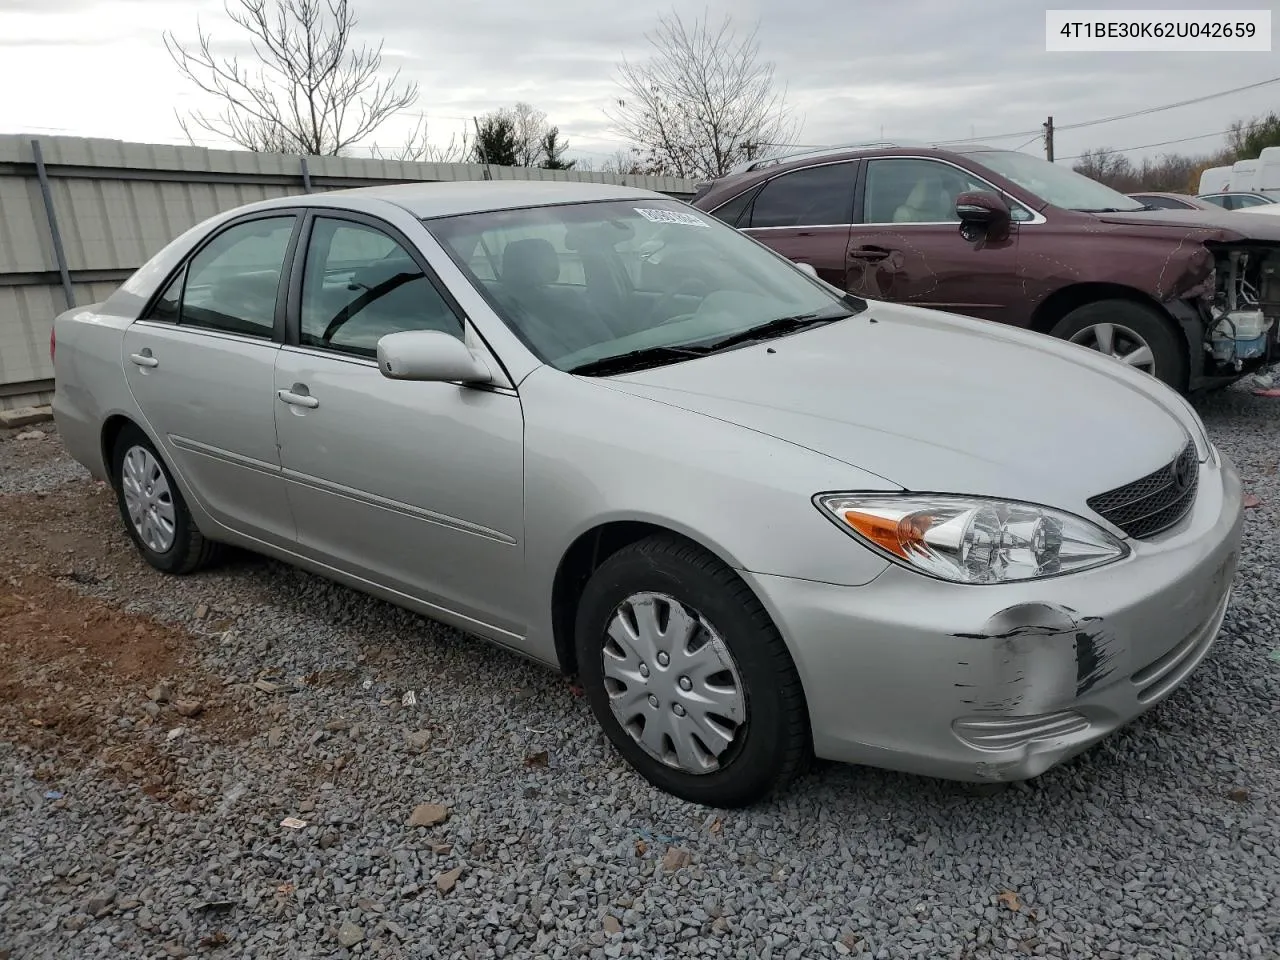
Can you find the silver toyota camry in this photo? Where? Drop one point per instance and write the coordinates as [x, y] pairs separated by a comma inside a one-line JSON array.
[[759, 519]]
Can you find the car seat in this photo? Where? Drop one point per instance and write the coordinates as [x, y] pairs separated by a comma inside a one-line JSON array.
[[553, 319], [928, 202]]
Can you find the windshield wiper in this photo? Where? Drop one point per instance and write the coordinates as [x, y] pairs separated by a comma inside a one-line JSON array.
[[1110, 209], [636, 360], [776, 328]]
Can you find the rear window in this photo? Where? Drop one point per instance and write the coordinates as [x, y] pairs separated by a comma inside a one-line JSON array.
[[814, 196]]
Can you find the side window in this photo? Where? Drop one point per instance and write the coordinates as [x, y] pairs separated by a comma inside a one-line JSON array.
[[359, 285], [1242, 202], [232, 283], [731, 212], [919, 191], [805, 198], [168, 304]]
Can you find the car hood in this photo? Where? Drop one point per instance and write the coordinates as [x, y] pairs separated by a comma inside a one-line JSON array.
[[935, 402], [1226, 224]]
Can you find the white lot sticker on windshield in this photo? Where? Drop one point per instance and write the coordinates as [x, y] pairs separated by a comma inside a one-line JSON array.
[[654, 215]]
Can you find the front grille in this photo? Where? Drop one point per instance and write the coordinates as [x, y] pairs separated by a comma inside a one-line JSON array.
[[1155, 502]]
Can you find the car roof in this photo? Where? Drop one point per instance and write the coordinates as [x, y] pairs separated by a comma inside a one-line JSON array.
[[769, 167], [456, 197]]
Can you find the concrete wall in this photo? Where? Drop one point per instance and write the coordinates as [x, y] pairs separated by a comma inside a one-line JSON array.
[[117, 203]]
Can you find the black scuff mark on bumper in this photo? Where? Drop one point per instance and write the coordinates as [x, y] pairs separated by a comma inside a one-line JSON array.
[[1042, 656], [1095, 658]]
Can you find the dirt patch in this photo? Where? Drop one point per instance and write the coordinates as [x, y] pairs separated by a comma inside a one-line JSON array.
[[86, 683]]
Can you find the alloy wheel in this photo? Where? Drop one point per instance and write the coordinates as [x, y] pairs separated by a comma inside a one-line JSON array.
[[1119, 342]]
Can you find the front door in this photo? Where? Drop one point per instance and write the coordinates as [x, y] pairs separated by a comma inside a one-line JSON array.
[[201, 367], [418, 487], [804, 215], [907, 246]]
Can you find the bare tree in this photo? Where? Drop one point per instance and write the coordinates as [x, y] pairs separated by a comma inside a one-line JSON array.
[[519, 136], [703, 101], [1106, 166], [417, 147], [530, 125], [312, 91], [627, 162]]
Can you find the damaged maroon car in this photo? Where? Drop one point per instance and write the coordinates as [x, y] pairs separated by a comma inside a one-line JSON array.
[[1189, 296]]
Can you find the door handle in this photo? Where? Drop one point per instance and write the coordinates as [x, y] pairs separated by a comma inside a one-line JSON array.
[[298, 399], [868, 253], [144, 360]]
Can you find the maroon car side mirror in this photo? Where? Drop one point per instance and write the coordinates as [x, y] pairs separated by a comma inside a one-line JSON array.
[[983, 213]]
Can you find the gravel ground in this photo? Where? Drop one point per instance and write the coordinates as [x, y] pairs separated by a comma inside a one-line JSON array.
[[155, 732]]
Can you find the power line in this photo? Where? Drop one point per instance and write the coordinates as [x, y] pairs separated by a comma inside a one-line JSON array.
[[1037, 134], [1166, 143], [1119, 116]]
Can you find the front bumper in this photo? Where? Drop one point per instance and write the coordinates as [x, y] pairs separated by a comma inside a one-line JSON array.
[[1003, 682]]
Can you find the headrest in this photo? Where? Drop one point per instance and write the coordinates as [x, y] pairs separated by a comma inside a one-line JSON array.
[[530, 262]]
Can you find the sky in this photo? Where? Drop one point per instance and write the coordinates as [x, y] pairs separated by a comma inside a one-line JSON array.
[[854, 70]]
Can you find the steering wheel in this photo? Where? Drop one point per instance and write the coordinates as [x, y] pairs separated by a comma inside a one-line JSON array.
[[664, 302]]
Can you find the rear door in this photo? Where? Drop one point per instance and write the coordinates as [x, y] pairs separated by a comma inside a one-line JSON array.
[[805, 215], [201, 366], [907, 246]]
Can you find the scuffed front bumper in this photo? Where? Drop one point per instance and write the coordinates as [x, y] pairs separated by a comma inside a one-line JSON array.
[[1003, 682]]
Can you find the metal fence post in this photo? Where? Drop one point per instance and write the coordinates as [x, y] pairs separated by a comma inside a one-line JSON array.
[[306, 174], [54, 233]]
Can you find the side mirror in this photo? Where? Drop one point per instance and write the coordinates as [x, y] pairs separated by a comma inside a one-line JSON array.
[[808, 268], [429, 355], [981, 211]]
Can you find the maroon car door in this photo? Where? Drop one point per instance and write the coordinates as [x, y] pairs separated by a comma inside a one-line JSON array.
[[907, 246], [805, 216]]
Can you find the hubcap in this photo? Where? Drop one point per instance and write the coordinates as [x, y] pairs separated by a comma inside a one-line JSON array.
[[672, 683], [148, 499], [1119, 342]]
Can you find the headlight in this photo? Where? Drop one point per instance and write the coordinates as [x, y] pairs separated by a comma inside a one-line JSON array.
[[973, 539]]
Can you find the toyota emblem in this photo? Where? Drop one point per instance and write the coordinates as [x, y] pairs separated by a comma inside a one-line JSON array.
[[1182, 473]]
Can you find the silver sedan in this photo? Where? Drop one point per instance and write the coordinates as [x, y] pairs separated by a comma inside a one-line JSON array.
[[759, 519]]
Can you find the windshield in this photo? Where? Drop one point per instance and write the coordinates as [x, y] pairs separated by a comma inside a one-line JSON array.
[[586, 282], [1055, 183]]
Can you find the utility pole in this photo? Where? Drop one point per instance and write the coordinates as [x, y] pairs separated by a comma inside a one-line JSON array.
[[1048, 140], [484, 155]]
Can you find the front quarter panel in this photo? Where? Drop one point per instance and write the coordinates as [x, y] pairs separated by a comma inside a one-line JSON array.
[[596, 455]]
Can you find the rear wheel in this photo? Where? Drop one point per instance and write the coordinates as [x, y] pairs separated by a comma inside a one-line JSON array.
[[1133, 333], [688, 676], [155, 515]]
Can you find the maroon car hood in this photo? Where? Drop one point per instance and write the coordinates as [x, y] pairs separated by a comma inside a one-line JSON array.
[[1225, 225]]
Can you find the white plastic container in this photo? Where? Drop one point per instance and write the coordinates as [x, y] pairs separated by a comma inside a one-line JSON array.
[[1241, 335]]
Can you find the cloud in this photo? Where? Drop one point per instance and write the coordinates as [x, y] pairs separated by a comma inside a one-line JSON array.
[[918, 70]]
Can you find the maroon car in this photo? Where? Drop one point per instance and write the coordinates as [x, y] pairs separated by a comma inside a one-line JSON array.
[[1190, 296]]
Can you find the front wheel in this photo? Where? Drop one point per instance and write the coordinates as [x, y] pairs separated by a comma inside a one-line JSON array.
[[689, 677], [1133, 333]]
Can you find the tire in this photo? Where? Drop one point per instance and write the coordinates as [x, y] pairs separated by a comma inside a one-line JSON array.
[[770, 744], [181, 550], [1129, 319]]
